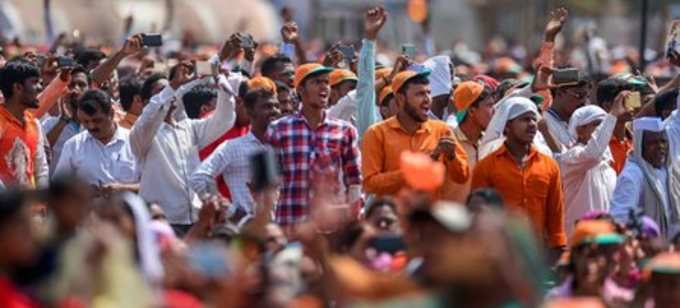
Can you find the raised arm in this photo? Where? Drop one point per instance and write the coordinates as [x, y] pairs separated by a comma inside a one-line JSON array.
[[207, 130], [50, 95], [367, 109], [103, 72], [148, 123]]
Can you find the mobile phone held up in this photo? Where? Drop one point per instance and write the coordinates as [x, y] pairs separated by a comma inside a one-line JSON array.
[[409, 50], [204, 68], [347, 52], [565, 77], [633, 101], [264, 170], [152, 39], [65, 62]]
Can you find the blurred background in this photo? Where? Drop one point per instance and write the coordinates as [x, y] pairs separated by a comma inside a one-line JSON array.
[[485, 26]]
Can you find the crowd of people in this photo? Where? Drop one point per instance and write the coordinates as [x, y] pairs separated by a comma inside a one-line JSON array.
[[255, 177]]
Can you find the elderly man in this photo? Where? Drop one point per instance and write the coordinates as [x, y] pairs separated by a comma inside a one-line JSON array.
[[648, 182]]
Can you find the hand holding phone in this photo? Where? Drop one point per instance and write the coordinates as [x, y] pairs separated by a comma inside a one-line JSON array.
[[65, 62]]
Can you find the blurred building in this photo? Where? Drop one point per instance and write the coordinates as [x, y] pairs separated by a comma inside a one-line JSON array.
[[102, 21]]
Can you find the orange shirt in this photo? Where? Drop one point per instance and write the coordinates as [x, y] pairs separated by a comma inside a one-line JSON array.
[[381, 151], [620, 150], [128, 121], [535, 189], [18, 147]]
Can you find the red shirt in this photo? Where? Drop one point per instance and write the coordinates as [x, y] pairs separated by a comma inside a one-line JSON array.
[[11, 297], [233, 133]]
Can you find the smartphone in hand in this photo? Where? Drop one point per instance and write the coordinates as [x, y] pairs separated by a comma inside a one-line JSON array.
[[152, 39], [347, 52], [633, 101], [565, 77], [203, 68], [409, 50]]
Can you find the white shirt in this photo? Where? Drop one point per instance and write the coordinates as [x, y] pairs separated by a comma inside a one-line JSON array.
[[558, 128], [629, 192], [71, 129], [587, 177], [97, 163], [168, 154], [672, 124], [232, 160]]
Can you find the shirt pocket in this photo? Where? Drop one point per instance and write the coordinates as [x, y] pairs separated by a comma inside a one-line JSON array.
[[538, 186], [126, 171]]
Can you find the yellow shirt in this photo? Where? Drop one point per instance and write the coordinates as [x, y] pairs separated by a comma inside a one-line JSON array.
[[455, 191]]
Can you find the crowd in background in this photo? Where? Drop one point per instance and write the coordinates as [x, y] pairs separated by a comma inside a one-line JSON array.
[[267, 175]]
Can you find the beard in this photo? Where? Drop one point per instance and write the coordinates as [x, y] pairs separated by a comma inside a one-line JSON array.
[[32, 103], [413, 113]]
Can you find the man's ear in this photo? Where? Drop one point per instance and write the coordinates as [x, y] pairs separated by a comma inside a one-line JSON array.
[[17, 87]]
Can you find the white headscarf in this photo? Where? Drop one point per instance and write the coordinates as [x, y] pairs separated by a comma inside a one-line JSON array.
[[508, 109], [149, 259], [584, 116], [654, 124], [440, 77]]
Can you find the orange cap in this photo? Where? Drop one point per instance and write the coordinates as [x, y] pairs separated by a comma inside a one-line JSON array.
[[466, 93], [404, 76], [261, 82], [386, 91], [303, 71], [588, 229], [339, 75]]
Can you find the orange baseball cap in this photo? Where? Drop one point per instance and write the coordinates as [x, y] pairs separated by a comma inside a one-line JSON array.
[[384, 93], [261, 82], [339, 75], [305, 70], [406, 75], [466, 93], [587, 230]]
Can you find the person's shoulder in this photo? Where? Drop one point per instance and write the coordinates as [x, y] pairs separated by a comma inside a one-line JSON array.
[[548, 161], [78, 139], [632, 170], [284, 120], [378, 126]]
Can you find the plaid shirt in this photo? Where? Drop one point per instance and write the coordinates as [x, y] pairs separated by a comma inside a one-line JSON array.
[[303, 153]]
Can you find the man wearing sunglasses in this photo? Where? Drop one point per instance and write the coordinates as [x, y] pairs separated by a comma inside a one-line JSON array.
[[566, 99]]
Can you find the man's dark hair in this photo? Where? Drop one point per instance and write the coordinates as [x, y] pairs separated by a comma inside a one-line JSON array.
[[419, 80], [128, 89], [608, 89], [196, 98], [88, 56], [251, 98], [665, 101], [79, 69], [16, 72], [281, 87], [270, 64], [11, 203], [147, 87], [94, 101]]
